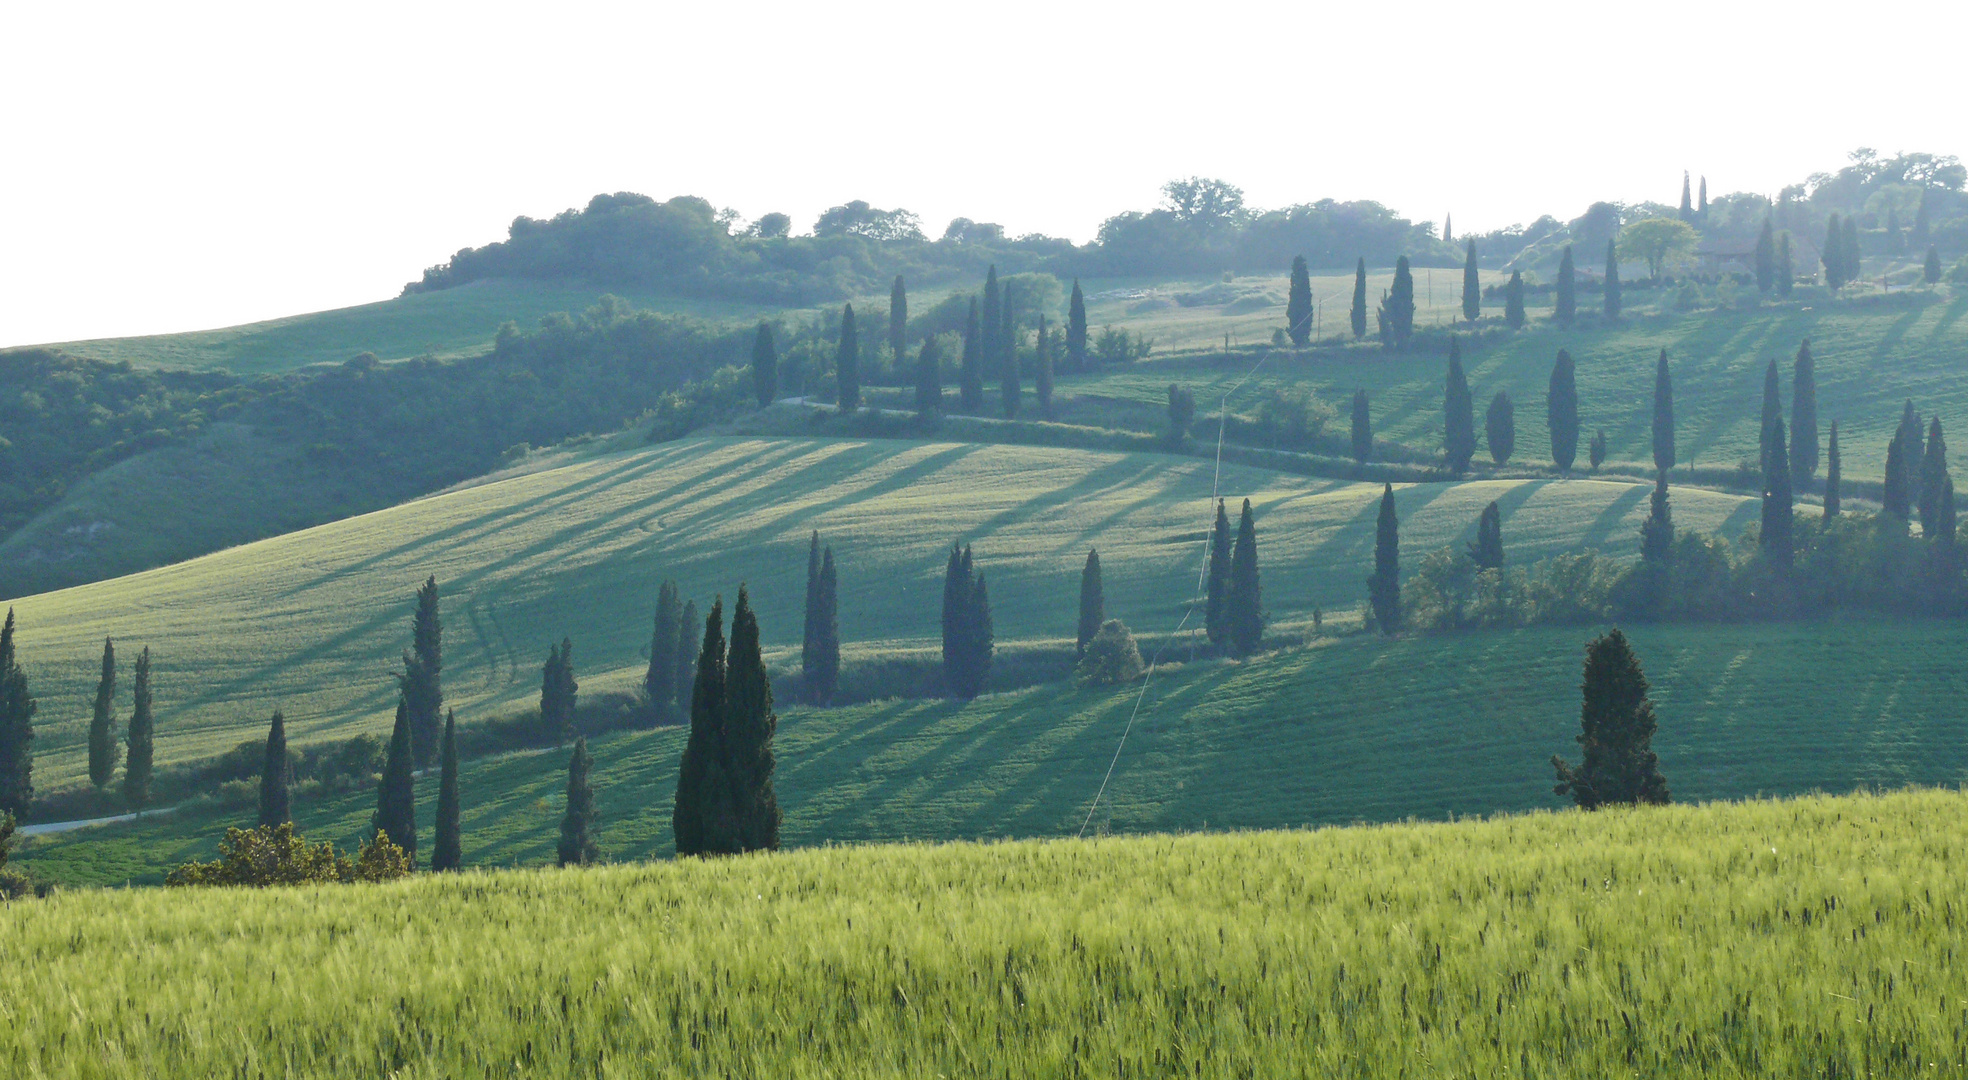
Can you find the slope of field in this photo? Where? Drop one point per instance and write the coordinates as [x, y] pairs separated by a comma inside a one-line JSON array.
[[312, 622], [1352, 729], [1787, 939]]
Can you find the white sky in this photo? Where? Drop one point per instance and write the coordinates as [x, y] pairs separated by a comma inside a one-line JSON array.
[[168, 167]]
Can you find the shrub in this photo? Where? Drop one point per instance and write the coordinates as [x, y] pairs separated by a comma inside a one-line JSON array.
[[1111, 659], [277, 855]]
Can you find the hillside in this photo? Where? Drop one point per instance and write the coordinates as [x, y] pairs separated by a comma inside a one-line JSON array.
[[1793, 939]]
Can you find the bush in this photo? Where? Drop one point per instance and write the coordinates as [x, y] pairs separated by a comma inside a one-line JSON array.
[[1111, 659], [277, 855]]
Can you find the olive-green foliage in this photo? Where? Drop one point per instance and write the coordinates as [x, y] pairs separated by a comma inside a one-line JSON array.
[[278, 855], [1111, 657]]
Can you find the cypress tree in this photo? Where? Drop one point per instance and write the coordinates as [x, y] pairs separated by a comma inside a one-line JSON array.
[[1448, 228], [1042, 374], [1384, 587], [1358, 313], [971, 377], [967, 633], [1216, 612], [1832, 474], [447, 852], [1298, 303], [956, 590], [1612, 282], [686, 670], [1851, 258], [1617, 727], [1596, 449], [140, 737], [1895, 498], [929, 378], [396, 796], [1093, 604], [274, 774], [1397, 311], [1008, 360], [1500, 427], [577, 846], [1076, 330], [1561, 405], [1775, 540], [102, 722], [1772, 412], [1472, 286], [1786, 269], [1701, 206], [423, 674], [825, 675], [1930, 271], [992, 323], [1458, 414], [1663, 415], [1687, 201], [1565, 306], [1833, 255], [1362, 428], [1513, 301], [666, 635], [1803, 418], [847, 363], [703, 790], [979, 637], [17, 709], [1933, 475], [557, 693], [1944, 526], [1912, 451], [810, 633], [1657, 532], [1766, 258], [1245, 603], [898, 323], [749, 728], [765, 365], [1487, 551]]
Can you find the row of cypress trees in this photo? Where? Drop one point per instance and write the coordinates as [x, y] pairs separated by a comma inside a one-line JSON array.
[[725, 801], [968, 640], [1233, 613], [17, 711]]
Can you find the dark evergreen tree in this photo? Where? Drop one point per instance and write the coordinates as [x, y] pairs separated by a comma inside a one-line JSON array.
[[1930, 271], [17, 708], [1093, 603], [1945, 520], [750, 725], [992, 321], [1042, 371], [1616, 733], [423, 675], [1786, 267], [1766, 258], [275, 772], [1912, 448], [1472, 284], [1832, 474], [1384, 587], [558, 693], [1362, 428], [1358, 313], [1803, 418], [1596, 450], [1657, 532], [704, 819], [1500, 427], [1181, 411], [1772, 412], [1458, 414], [140, 737], [103, 751], [1216, 607], [1244, 603], [447, 850], [929, 378], [1076, 331], [666, 638], [810, 633], [1933, 475], [1298, 303], [686, 656], [1565, 302], [577, 846], [765, 366], [1775, 541], [1513, 301], [970, 380], [824, 677], [1487, 551], [1448, 228], [967, 633], [1397, 311], [847, 363], [898, 323], [1833, 255], [980, 638], [1895, 498], [1687, 200], [396, 795], [1008, 380], [1561, 412], [1701, 205], [956, 588], [1663, 415], [1612, 291]]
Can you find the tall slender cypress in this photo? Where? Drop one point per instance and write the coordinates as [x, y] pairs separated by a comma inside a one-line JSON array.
[[992, 320], [1008, 379], [140, 737], [703, 817], [103, 751], [1362, 428], [1093, 603], [898, 323], [1042, 370], [1565, 304], [810, 633], [824, 678], [686, 656], [970, 380], [1617, 726], [1849, 238], [1358, 314], [577, 845], [847, 363], [1687, 199], [17, 708], [929, 378], [1766, 258], [1663, 415], [1803, 418], [274, 775], [1458, 413], [1245, 602], [1561, 412], [1076, 330], [1775, 540], [765, 365], [1472, 285], [1832, 474], [1216, 613], [1912, 449], [396, 795], [666, 636], [558, 693], [750, 725], [1612, 281], [980, 637], [447, 850], [1513, 301], [1397, 311], [1298, 303], [1500, 427], [1657, 532], [423, 674], [1487, 551], [1895, 498], [1384, 587], [1772, 412], [956, 593], [1933, 475], [1786, 266]]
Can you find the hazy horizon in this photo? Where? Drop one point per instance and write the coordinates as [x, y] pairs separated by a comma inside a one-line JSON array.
[[231, 164]]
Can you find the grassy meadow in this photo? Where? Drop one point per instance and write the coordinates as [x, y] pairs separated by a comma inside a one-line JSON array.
[[1807, 938], [312, 622], [1350, 729]]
